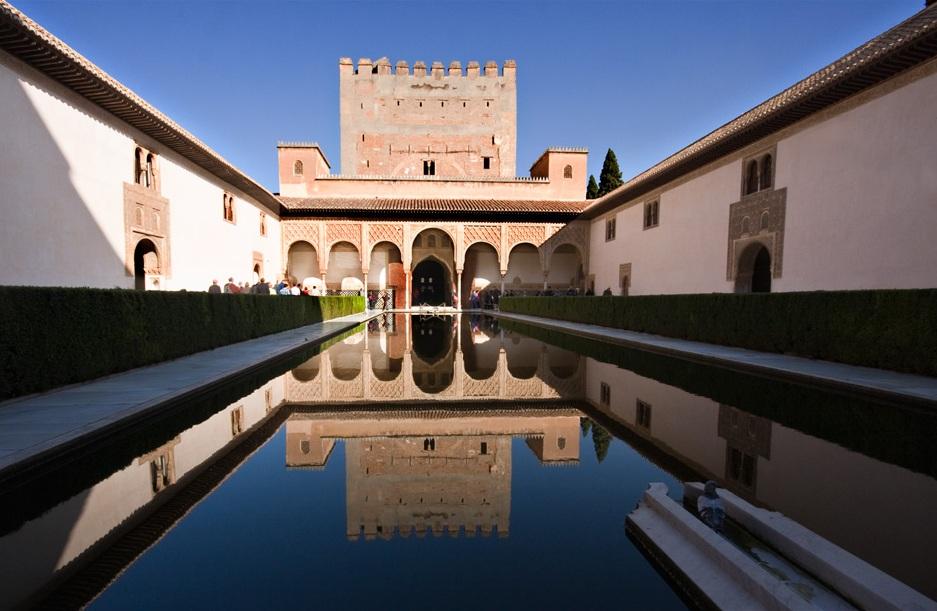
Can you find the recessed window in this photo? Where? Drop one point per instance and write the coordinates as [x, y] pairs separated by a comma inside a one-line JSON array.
[[751, 177], [642, 414], [429, 167], [362, 137], [486, 163], [766, 172], [484, 448], [398, 102], [263, 224], [487, 103], [442, 104], [605, 394], [610, 229], [298, 168], [421, 104], [145, 168], [651, 214], [228, 206], [568, 172], [758, 174]]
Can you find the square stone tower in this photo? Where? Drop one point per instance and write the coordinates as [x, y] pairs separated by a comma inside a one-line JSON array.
[[428, 123]]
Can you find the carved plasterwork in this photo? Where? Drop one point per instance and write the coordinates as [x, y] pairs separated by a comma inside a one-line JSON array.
[[343, 232], [758, 218], [146, 216], [299, 231], [518, 234], [386, 232], [489, 234]]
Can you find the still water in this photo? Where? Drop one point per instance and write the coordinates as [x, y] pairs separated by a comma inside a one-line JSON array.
[[432, 461]]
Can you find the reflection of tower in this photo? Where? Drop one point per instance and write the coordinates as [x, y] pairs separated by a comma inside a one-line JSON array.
[[419, 484], [412, 471]]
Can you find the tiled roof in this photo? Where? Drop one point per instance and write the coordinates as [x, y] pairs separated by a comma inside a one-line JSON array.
[[345, 204], [29, 42], [910, 43]]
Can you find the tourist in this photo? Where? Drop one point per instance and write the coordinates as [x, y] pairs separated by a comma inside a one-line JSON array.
[[231, 287], [711, 508], [214, 288], [283, 288], [294, 290]]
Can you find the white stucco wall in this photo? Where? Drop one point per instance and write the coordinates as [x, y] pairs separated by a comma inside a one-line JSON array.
[[861, 204], [63, 163]]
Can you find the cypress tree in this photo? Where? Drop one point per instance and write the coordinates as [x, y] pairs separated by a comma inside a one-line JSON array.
[[592, 191], [610, 178], [601, 439]]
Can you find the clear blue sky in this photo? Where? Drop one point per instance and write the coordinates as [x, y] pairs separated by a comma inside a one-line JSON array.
[[644, 78]]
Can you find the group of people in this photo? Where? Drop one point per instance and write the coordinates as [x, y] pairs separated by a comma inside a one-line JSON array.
[[261, 287], [484, 299]]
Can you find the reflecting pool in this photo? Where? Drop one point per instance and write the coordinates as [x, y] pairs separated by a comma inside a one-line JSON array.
[[457, 463]]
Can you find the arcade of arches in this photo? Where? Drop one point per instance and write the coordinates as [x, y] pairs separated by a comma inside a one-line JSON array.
[[432, 264]]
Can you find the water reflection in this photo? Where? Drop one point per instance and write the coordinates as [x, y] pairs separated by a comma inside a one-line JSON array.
[[426, 410], [416, 471], [417, 358]]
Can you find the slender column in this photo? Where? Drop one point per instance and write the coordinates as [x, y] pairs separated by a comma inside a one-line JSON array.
[[458, 274], [407, 289], [503, 274], [366, 288], [546, 274]]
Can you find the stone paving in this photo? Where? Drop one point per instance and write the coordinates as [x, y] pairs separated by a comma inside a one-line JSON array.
[[38, 426], [878, 383]]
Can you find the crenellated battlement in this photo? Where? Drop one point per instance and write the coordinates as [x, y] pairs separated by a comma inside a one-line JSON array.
[[437, 69]]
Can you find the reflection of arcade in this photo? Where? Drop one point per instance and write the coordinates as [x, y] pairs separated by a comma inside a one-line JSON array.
[[418, 471], [448, 361]]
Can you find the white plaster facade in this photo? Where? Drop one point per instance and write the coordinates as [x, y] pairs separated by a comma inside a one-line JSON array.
[[861, 187], [63, 166]]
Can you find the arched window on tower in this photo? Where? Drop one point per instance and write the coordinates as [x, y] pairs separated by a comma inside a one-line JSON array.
[[751, 178], [766, 172], [298, 168], [568, 172]]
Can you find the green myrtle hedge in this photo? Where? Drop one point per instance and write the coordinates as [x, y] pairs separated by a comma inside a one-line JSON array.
[[50, 336], [888, 329]]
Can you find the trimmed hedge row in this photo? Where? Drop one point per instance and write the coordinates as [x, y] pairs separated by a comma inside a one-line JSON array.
[[50, 336], [888, 329]]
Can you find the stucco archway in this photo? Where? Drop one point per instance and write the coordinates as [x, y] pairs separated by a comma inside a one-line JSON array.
[[565, 269], [753, 274], [302, 261], [145, 262]]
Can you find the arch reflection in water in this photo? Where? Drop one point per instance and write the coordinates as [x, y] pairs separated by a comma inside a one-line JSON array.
[[414, 471], [450, 358]]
